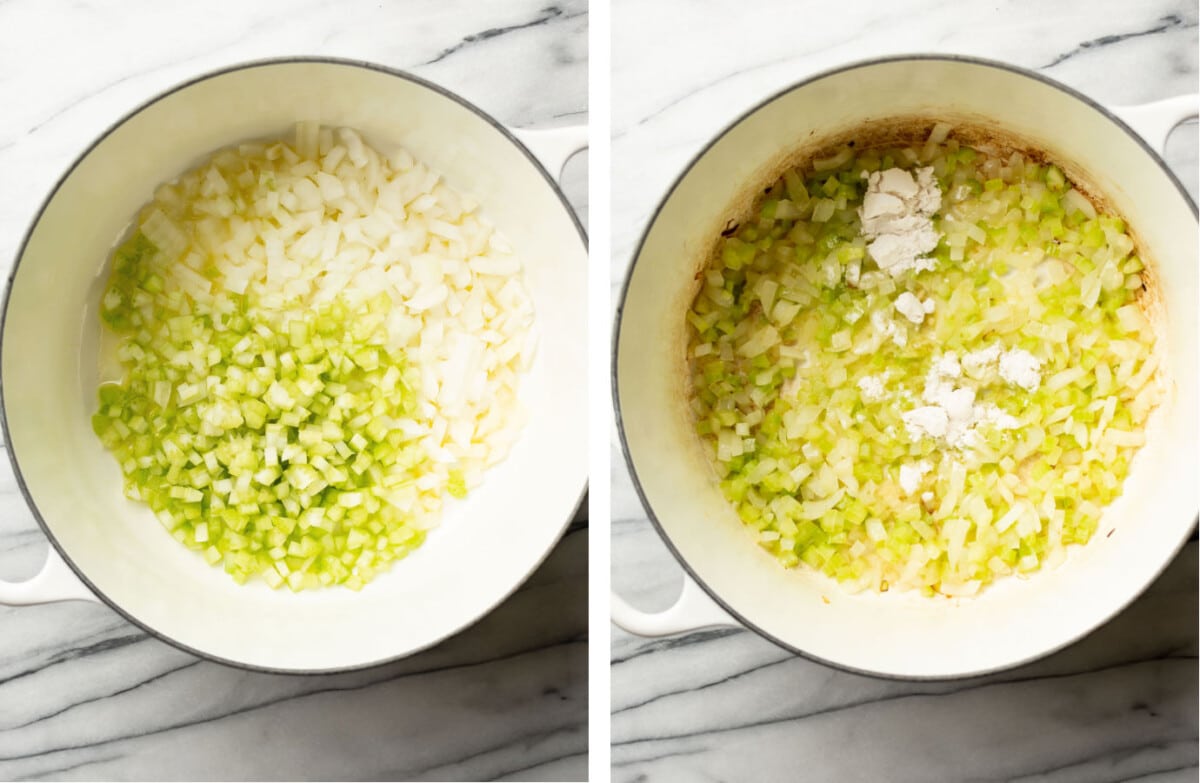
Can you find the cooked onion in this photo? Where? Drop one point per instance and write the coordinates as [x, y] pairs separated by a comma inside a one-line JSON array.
[[794, 325]]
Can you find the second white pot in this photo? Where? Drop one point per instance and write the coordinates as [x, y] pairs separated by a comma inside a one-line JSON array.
[[904, 635]]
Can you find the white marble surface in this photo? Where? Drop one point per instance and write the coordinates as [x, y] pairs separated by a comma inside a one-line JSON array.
[[84, 695], [727, 705]]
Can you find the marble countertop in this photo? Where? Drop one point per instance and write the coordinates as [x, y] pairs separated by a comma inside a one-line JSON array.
[[85, 695], [726, 705]]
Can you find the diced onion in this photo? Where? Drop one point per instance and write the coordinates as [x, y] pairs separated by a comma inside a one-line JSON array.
[[319, 344]]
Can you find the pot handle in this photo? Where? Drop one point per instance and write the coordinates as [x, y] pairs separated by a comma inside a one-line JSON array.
[[55, 582], [692, 611], [1155, 121], [553, 146]]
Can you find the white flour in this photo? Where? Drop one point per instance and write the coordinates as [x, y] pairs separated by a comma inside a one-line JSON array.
[[951, 414], [1016, 366], [911, 475], [1021, 368], [895, 218], [978, 362], [911, 307], [872, 388]]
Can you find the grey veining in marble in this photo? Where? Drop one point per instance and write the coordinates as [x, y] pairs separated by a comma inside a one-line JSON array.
[[84, 695], [726, 705]]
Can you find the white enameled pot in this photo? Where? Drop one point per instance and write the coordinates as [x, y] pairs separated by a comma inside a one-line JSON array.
[[107, 547], [730, 579]]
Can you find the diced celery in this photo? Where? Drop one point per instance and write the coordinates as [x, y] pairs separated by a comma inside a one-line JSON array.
[[779, 341], [268, 412]]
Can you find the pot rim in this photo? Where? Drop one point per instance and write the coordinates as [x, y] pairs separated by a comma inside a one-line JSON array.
[[20, 254], [1068, 92]]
